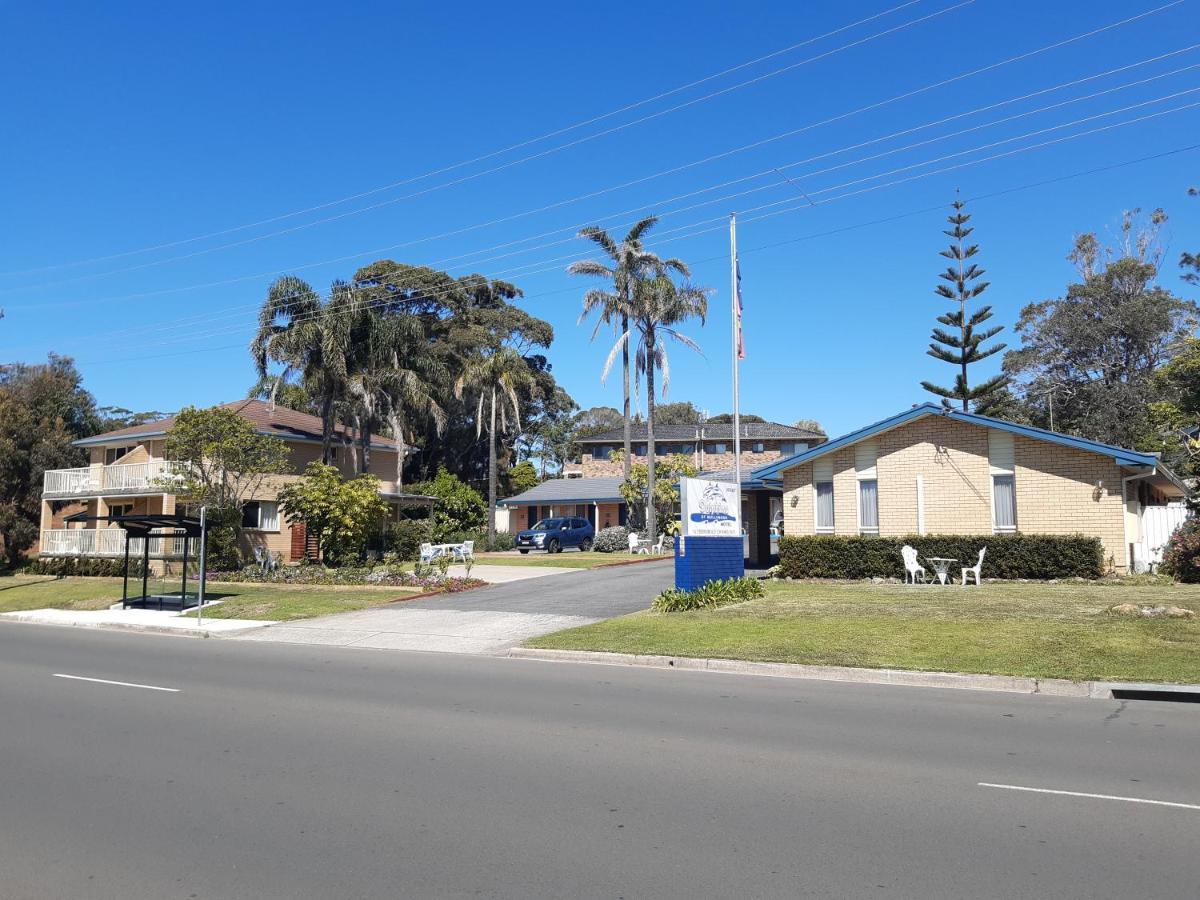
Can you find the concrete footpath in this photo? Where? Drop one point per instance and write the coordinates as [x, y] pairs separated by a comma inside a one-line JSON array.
[[153, 620]]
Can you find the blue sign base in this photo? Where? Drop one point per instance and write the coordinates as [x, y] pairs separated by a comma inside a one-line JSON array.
[[699, 560]]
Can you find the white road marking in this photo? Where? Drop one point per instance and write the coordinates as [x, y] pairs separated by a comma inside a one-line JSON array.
[[1034, 790], [148, 687]]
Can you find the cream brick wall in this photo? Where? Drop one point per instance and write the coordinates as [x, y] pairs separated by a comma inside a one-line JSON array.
[[1055, 487]]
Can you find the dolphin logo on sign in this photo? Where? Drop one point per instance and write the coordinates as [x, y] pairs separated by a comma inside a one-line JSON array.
[[714, 506]]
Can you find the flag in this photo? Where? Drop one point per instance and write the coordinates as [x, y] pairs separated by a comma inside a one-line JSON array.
[[737, 311]]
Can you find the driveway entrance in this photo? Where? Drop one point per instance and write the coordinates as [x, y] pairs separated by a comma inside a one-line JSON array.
[[486, 620]]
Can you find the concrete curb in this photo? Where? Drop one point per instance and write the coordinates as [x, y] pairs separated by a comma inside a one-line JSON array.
[[145, 629], [1008, 684]]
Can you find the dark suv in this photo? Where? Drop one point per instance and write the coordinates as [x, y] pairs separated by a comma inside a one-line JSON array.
[[552, 535]]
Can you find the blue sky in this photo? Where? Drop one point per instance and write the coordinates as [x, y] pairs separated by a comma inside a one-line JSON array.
[[140, 125]]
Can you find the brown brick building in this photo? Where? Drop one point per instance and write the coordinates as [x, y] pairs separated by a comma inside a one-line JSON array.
[[935, 471]]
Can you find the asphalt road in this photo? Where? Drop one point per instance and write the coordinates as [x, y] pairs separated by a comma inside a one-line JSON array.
[[298, 772]]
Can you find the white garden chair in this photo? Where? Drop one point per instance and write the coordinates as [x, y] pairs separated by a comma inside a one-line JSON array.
[[913, 570], [977, 569], [636, 545], [465, 551], [427, 553], [657, 549]]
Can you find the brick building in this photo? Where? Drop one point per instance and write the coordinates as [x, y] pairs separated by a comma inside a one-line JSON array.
[[935, 471], [709, 445]]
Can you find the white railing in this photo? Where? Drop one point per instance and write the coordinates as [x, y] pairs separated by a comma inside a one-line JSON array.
[[117, 479], [110, 542], [69, 481]]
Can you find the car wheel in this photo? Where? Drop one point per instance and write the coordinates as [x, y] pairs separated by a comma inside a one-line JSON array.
[[524, 552], [552, 545], [585, 545]]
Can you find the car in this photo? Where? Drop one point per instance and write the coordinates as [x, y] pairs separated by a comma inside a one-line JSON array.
[[555, 534]]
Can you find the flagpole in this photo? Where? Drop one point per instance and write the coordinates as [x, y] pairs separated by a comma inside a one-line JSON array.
[[737, 324]]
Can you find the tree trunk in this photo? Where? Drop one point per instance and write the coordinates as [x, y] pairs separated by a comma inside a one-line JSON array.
[[326, 428], [492, 480], [651, 510], [625, 378], [364, 439], [398, 437], [355, 464]]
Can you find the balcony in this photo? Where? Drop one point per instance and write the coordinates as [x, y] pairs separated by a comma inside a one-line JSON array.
[[110, 542], [98, 480]]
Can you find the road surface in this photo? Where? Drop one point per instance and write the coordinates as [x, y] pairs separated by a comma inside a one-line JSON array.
[[280, 771]]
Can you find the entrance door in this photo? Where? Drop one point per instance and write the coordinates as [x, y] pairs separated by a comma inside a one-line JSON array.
[[591, 514]]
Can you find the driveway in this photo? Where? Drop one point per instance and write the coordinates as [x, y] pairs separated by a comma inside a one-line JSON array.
[[486, 620]]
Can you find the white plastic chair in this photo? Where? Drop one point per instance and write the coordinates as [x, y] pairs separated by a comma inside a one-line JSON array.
[[977, 569], [464, 550], [635, 544], [427, 553], [657, 549], [913, 570]]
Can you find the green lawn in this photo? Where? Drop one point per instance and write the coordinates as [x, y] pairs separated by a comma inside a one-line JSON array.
[[239, 601], [1039, 630], [567, 559]]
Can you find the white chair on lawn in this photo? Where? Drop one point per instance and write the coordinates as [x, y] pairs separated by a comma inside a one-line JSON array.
[[427, 553], [465, 551], [977, 569], [635, 544], [657, 549], [913, 570]]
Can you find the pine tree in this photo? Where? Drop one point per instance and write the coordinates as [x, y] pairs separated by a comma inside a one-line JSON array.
[[958, 343]]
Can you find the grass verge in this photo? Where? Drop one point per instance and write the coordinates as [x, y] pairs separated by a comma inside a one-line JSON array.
[[1036, 630]]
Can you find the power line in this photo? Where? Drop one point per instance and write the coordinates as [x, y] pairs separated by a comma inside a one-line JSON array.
[[801, 238], [858, 161], [671, 171], [530, 157], [790, 205]]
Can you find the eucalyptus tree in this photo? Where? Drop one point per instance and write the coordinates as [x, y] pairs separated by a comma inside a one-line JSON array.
[[495, 378], [660, 305], [629, 263]]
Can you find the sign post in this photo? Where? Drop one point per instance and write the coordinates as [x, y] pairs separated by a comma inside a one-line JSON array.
[[712, 533]]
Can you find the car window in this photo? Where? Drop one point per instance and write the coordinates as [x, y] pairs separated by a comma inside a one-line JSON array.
[[548, 525], [580, 523]]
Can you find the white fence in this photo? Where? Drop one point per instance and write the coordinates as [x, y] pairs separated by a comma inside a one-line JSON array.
[[111, 542], [118, 478], [1158, 524]]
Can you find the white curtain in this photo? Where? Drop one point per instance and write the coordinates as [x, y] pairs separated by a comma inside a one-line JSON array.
[[868, 506], [825, 505], [1004, 500]]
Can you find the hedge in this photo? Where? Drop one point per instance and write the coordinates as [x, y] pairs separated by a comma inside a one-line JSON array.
[[76, 565], [1008, 555]]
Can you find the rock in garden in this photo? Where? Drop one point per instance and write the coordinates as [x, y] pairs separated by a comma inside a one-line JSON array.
[[1178, 612], [1126, 609]]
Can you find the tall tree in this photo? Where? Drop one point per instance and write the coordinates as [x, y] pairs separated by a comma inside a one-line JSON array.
[[495, 379], [1191, 260], [659, 305], [43, 409], [1094, 351], [629, 263], [958, 343]]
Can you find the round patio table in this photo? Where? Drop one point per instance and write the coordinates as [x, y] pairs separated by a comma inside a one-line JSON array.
[[941, 565]]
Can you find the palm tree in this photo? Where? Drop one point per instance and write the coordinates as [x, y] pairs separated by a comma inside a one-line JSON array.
[[496, 378], [630, 263], [311, 340], [658, 306]]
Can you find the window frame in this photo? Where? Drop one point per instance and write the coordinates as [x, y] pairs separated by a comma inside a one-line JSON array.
[[817, 526], [997, 528], [862, 529], [258, 517]]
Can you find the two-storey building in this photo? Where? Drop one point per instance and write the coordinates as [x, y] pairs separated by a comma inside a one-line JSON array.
[[127, 474]]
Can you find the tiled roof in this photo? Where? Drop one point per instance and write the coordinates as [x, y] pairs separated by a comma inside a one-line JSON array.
[[276, 421], [570, 490], [718, 432]]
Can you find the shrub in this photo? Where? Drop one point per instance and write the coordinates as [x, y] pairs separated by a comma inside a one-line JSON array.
[[1182, 555], [1008, 555], [380, 576], [404, 538], [84, 566], [459, 508], [611, 540], [710, 595]]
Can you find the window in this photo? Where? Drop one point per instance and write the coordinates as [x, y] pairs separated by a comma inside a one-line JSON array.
[[602, 451], [868, 506], [715, 448], [791, 449], [112, 454], [687, 448], [261, 515], [1004, 503], [640, 450], [120, 509], [824, 505], [758, 447]]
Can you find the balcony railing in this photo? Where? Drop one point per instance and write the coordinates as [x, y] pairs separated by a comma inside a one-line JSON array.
[[116, 479], [110, 542]]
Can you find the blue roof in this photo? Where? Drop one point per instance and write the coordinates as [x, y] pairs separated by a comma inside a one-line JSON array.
[[1121, 455]]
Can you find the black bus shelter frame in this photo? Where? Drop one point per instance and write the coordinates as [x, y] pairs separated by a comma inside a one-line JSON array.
[[148, 526]]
